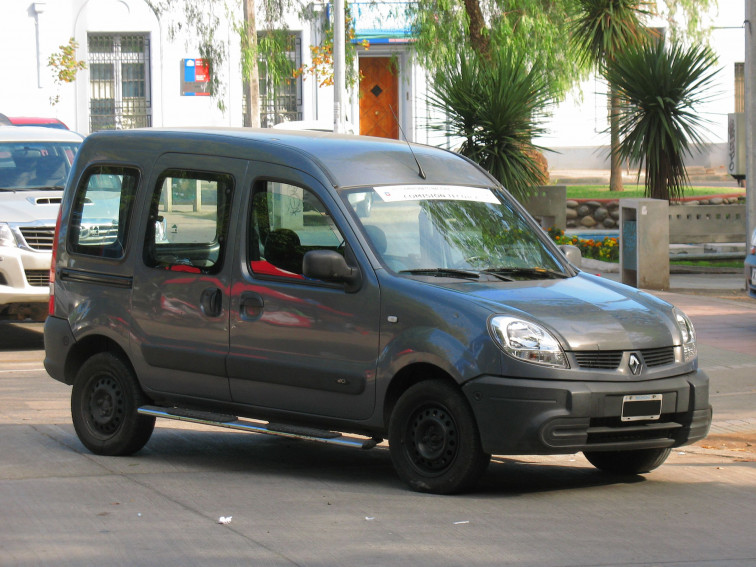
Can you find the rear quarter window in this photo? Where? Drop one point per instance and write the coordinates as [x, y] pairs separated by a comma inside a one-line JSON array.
[[101, 212]]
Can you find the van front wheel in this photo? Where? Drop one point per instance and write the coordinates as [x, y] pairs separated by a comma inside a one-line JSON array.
[[434, 440], [104, 403]]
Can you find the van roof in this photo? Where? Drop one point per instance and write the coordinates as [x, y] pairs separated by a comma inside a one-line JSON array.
[[346, 160]]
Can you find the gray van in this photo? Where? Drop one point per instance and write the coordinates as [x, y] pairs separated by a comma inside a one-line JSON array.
[[234, 277]]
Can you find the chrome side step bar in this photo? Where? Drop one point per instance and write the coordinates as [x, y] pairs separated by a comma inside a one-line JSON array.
[[252, 426]]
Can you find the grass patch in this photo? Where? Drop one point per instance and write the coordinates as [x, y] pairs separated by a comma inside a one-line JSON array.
[[637, 192], [708, 263]]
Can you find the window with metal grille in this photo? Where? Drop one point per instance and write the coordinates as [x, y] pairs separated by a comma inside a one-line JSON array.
[[119, 82], [282, 102]]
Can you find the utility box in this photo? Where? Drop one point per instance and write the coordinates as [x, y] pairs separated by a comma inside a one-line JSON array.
[[644, 243], [736, 145]]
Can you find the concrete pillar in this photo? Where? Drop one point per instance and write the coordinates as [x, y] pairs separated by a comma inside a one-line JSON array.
[[750, 112], [644, 243]]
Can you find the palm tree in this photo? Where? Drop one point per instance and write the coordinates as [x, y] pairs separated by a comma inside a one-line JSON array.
[[661, 85], [600, 32], [495, 106]]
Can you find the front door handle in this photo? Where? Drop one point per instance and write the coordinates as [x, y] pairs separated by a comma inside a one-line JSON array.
[[211, 302], [251, 306]]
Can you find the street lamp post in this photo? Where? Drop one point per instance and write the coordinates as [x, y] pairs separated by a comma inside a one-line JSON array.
[[339, 64], [750, 111]]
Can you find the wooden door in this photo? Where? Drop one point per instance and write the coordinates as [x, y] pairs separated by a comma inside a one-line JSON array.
[[379, 97]]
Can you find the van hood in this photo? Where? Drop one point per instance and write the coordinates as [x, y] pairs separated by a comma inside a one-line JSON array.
[[585, 312], [29, 206]]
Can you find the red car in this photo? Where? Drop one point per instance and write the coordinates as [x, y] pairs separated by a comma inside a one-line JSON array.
[[33, 121]]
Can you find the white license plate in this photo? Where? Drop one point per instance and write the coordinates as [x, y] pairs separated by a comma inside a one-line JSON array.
[[640, 407], [753, 276]]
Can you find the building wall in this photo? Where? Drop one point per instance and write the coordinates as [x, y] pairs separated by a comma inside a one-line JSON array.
[[29, 84], [31, 31]]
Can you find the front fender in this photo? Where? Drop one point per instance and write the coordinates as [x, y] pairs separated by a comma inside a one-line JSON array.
[[459, 359]]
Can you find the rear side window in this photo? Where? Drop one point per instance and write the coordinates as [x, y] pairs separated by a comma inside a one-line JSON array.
[[188, 222], [101, 211]]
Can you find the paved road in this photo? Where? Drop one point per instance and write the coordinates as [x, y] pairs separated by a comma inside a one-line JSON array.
[[298, 503]]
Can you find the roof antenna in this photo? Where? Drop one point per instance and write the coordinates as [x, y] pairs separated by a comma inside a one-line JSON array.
[[420, 171]]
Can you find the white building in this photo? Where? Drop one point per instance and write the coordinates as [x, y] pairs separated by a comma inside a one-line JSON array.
[[137, 75]]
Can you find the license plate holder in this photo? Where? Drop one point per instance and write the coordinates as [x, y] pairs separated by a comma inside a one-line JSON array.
[[641, 407]]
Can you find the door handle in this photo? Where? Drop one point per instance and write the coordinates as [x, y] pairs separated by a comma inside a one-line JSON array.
[[251, 306], [211, 302]]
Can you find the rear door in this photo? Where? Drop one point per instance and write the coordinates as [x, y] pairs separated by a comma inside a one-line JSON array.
[[297, 344], [182, 283]]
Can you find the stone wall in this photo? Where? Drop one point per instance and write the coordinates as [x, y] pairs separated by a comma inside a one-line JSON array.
[[720, 219], [592, 214]]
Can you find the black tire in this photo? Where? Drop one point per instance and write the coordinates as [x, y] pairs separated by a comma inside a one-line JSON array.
[[104, 403], [434, 440], [627, 462]]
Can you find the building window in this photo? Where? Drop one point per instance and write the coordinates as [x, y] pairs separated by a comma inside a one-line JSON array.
[[119, 82], [283, 102]]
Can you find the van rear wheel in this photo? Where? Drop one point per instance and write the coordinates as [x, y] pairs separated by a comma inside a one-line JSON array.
[[104, 403], [434, 440], [627, 462]]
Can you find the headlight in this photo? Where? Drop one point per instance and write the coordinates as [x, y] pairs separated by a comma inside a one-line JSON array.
[[6, 236], [688, 334], [527, 341]]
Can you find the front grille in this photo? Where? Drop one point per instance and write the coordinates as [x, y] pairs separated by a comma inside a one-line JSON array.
[[37, 278], [658, 356], [606, 360], [611, 359], [98, 234], [38, 237]]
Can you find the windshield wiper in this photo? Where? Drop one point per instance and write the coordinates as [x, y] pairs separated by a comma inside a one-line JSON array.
[[442, 272], [541, 273]]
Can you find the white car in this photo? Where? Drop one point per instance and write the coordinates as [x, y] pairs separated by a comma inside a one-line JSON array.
[[34, 166]]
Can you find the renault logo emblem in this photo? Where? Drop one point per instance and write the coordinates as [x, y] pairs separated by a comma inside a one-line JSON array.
[[635, 364]]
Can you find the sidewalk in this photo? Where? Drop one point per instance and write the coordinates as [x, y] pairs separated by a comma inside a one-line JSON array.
[[729, 284]]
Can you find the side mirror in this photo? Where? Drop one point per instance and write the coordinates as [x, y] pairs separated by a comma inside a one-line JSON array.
[[573, 254], [330, 266]]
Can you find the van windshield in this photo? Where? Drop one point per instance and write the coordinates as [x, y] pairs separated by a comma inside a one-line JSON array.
[[452, 231]]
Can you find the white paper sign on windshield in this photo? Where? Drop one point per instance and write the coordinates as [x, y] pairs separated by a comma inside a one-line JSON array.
[[436, 193]]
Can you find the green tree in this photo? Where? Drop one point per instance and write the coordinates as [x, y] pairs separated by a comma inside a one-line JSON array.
[[495, 107], [532, 29], [600, 33], [64, 67], [661, 85]]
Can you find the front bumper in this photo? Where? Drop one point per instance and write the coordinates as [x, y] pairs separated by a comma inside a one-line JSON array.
[[525, 417], [19, 269]]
